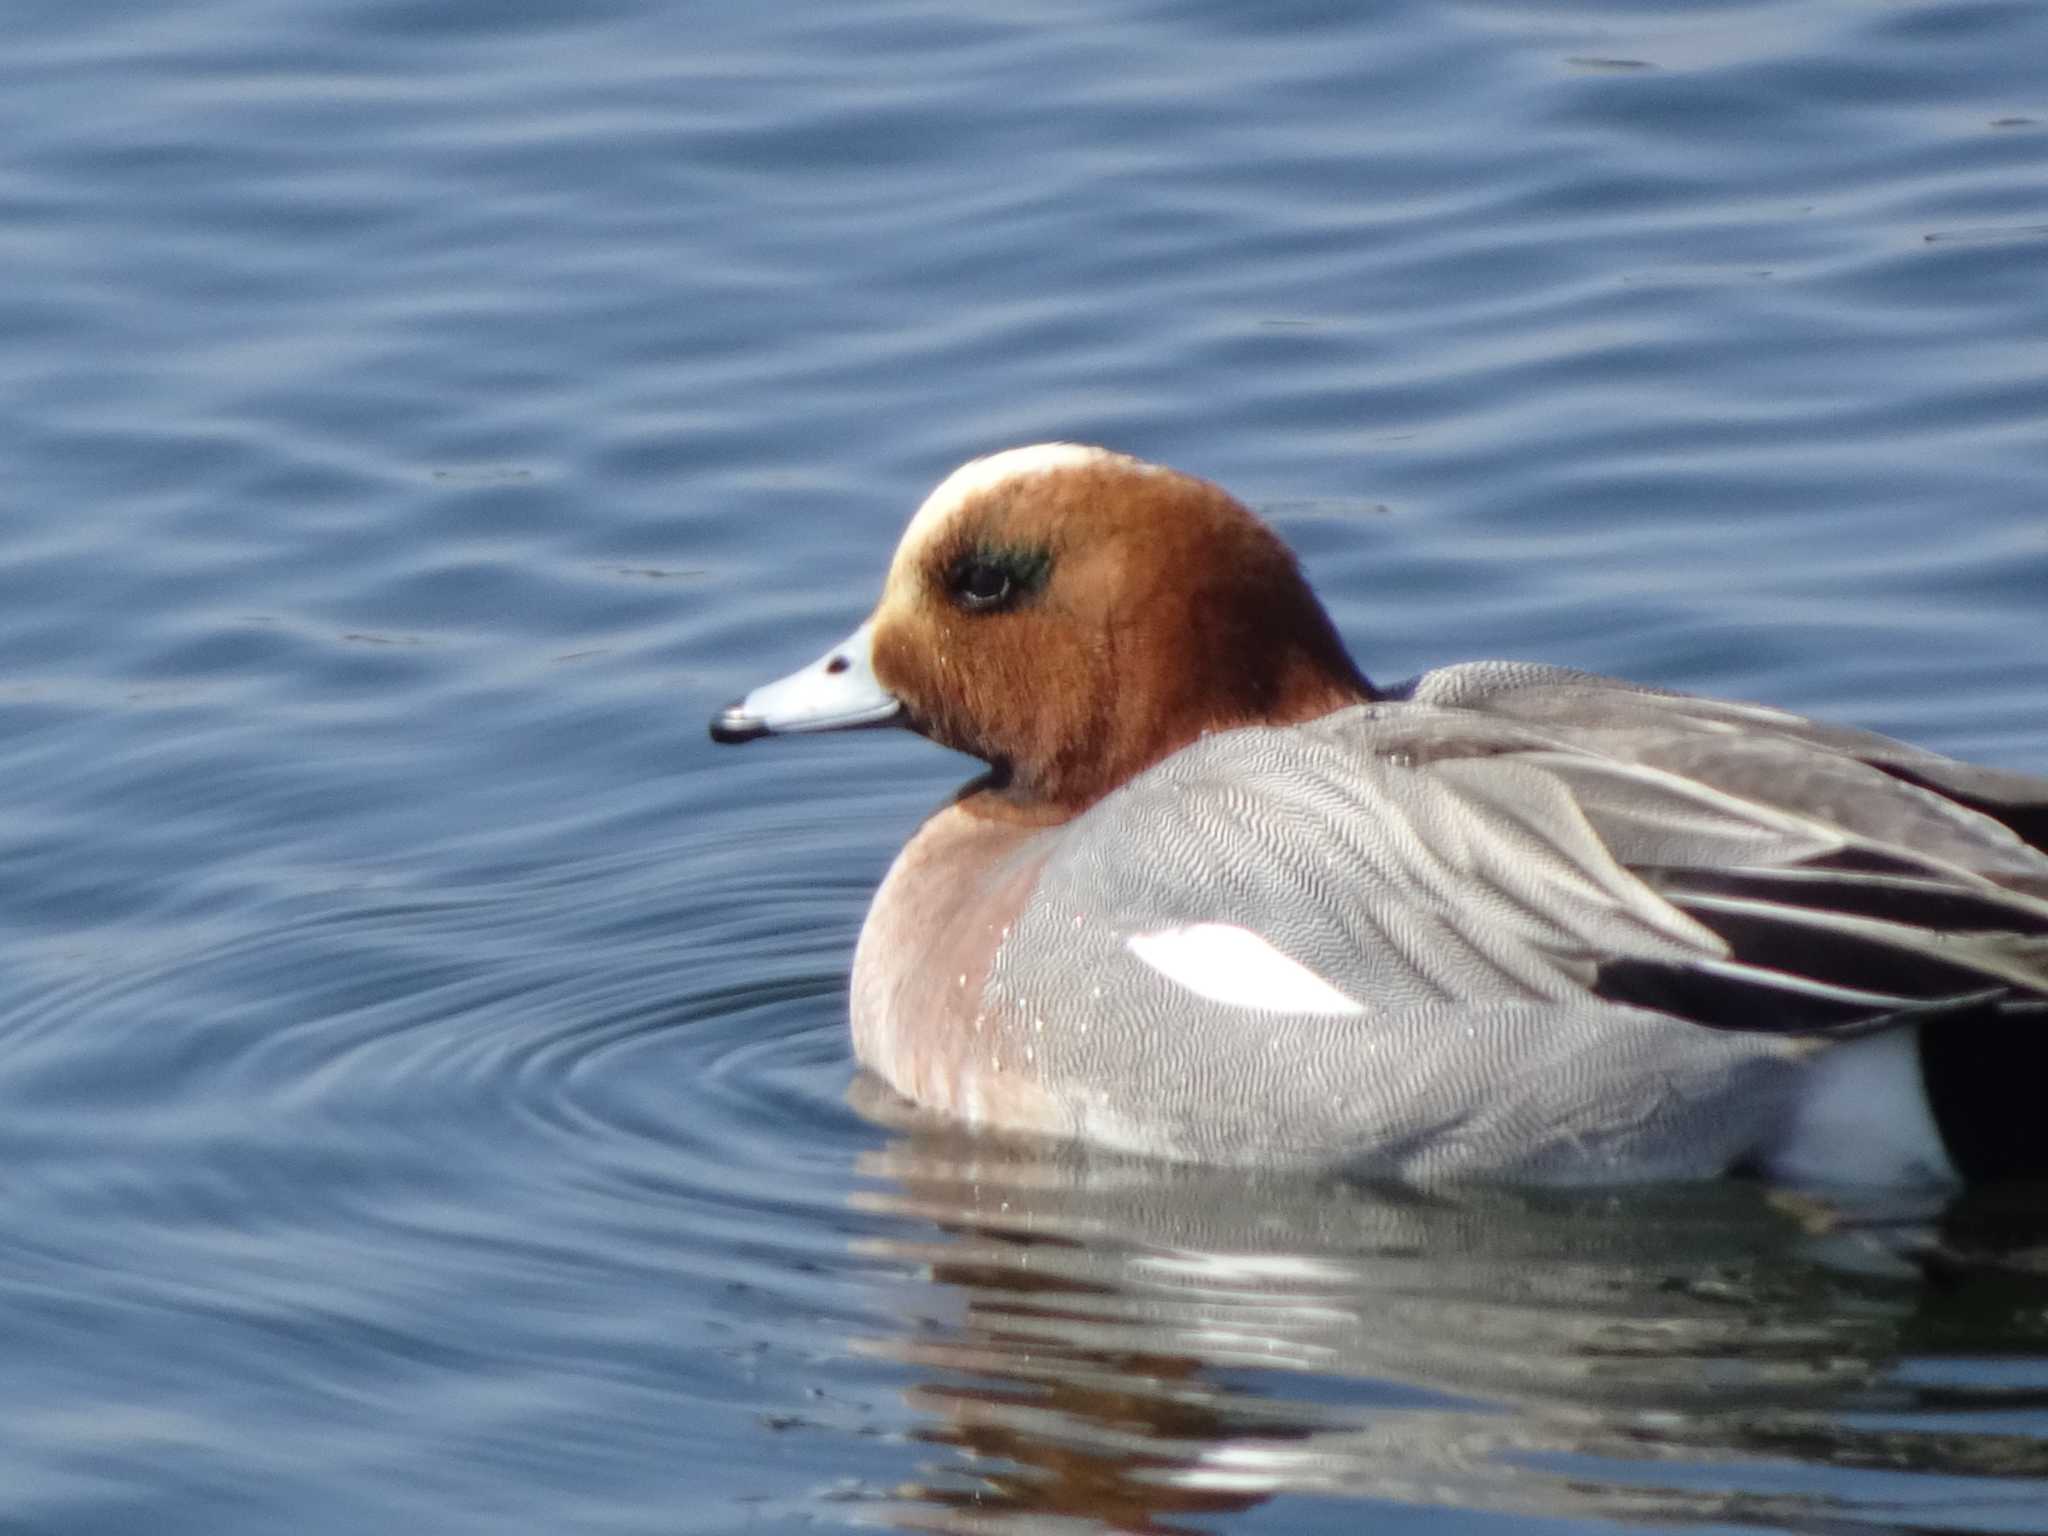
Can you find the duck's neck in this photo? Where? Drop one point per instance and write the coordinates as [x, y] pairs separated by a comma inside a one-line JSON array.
[[1130, 743]]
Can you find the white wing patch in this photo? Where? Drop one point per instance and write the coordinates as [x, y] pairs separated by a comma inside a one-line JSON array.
[[1234, 966]]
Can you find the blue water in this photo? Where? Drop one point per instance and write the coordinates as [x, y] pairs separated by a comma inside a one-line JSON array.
[[423, 1080]]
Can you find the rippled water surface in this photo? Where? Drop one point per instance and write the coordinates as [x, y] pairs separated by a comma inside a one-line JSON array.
[[423, 1081]]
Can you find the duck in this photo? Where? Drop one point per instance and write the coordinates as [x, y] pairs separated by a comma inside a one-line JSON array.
[[1216, 897]]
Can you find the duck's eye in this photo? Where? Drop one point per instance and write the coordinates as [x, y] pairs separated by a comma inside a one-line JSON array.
[[991, 579], [982, 584]]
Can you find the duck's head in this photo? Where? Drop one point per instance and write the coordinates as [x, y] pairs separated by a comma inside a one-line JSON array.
[[1071, 616]]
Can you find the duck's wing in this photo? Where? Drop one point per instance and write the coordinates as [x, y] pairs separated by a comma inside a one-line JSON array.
[[1406, 854], [1755, 749], [1935, 888], [1930, 907], [1374, 941], [1430, 912], [1905, 902]]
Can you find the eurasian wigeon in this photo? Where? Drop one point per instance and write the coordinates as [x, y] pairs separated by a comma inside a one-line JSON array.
[[1220, 898]]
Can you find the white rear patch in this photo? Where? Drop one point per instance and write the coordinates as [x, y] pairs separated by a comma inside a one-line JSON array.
[[1232, 965], [1863, 1118]]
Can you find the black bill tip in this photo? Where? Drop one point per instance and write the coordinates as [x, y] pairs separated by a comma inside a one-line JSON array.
[[733, 724]]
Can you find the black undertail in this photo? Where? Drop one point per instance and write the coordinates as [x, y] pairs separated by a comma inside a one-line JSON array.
[[1984, 1076]]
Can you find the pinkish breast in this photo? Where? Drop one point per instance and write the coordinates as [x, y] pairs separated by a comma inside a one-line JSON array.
[[920, 1018]]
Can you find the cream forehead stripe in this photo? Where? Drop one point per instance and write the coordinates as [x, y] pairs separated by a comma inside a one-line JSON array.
[[979, 476], [1234, 966]]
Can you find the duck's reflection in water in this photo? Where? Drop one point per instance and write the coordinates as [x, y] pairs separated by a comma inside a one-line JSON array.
[[1134, 1347]]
